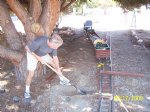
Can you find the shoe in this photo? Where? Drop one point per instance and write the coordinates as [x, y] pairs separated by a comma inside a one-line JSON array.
[[65, 83], [27, 95]]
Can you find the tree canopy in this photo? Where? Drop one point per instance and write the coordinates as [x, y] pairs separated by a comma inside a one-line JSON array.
[[131, 4], [95, 3]]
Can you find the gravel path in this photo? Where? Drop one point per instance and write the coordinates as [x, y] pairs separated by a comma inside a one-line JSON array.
[[127, 57]]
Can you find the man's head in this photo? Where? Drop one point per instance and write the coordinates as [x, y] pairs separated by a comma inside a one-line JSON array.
[[55, 41]]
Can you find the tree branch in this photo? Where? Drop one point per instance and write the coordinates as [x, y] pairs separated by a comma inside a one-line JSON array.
[[35, 9], [49, 16], [62, 4], [24, 17], [18, 9], [8, 27], [14, 56], [66, 6]]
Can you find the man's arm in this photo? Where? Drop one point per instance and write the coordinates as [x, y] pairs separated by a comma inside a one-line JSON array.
[[56, 62]]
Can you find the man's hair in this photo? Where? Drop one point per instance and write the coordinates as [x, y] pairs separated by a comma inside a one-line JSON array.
[[55, 38]]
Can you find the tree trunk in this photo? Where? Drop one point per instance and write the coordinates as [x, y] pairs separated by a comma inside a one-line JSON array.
[[8, 27], [50, 15], [16, 55]]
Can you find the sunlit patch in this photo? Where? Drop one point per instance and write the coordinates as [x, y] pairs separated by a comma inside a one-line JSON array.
[[67, 70], [107, 95], [73, 106], [96, 93], [73, 62], [148, 98], [129, 106], [62, 103], [81, 49], [3, 83], [87, 109], [139, 106], [134, 106], [12, 107], [7, 90], [1, 75], [18, 87]]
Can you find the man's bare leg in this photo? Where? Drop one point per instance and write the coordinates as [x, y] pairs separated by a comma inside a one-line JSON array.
[[28, 82], [29, 78]]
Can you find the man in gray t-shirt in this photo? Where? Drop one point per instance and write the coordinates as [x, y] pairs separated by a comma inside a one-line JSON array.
[[40, 47], [43, 49]]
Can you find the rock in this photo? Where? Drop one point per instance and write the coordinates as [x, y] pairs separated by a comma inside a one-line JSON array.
[[2, 90], [68, 99], [16, 99], [7, 77], [26, 101], [33, 102]]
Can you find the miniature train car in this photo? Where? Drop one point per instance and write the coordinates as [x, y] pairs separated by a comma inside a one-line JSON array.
[[102, 49]]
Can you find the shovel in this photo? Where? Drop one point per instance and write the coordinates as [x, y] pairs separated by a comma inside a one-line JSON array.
[[82, 92], [78, 90]]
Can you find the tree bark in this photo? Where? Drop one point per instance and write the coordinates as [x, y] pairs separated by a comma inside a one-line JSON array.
[[14, 56], [35, 9], [24, 16], [19, 10], [8, 27], [50, 15], [66, 6], [62, 4]]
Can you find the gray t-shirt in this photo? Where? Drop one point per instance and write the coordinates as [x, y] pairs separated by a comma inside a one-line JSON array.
[[39, 46]]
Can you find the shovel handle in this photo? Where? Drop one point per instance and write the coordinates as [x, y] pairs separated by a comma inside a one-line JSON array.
[[51, 68]]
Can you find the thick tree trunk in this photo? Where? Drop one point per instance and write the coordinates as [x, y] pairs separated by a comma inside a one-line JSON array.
[[8, 27], [15, 52], [50, 15]]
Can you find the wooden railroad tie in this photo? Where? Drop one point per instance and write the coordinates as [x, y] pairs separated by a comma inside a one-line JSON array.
[[114, 73]]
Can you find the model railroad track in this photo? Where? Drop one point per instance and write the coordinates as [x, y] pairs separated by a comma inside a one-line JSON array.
[[106, 90], [103, 54], [102, 48]]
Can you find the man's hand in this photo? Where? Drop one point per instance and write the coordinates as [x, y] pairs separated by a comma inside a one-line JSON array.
[[59, 71]]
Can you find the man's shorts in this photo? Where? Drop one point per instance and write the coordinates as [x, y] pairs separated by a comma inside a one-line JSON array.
[[32, 61]]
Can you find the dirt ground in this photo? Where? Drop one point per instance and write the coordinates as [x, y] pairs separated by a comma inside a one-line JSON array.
[[79, 65]]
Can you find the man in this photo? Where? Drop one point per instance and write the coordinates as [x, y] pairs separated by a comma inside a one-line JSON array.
[[40, 49]]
